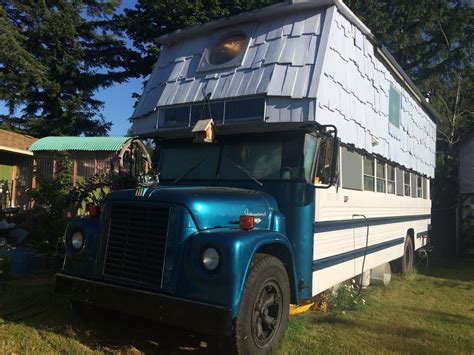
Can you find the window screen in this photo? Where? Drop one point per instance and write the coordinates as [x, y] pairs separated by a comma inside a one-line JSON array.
[[351, 174], [399, 174], [394, 107], [369, 173]]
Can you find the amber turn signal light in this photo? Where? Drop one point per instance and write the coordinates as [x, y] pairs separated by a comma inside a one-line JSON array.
[[93, 209], [246, 222]]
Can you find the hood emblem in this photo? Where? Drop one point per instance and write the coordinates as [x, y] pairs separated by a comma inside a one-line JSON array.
[[255, 214]]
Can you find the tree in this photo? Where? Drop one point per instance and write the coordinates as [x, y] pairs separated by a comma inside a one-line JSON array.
[[151, 19], [432, 41], [54, 56]]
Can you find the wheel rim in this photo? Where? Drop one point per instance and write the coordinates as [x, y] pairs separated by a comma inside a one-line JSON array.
[[266, 314]]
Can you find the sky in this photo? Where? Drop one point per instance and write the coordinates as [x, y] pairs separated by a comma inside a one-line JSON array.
[[118, 101]]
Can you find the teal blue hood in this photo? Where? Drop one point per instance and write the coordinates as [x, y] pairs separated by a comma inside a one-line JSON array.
[[210, 207]]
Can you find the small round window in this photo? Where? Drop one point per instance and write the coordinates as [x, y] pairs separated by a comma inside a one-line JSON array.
[[227, 49]]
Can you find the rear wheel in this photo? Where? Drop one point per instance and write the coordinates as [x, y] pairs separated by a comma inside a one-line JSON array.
[[405, 264], [264, 309], [408, 256]]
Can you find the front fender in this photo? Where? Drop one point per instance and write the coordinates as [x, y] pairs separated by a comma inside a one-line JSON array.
[[82, 263], [224, 286]]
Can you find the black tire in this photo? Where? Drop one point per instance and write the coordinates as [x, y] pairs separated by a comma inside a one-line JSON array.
[[404, 265], [264, 309], [408, 256]]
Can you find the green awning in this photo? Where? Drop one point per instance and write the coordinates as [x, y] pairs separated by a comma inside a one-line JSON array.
[[111, 144]]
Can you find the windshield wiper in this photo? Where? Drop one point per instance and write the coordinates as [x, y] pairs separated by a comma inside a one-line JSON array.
[[248, 173], [189, 170]]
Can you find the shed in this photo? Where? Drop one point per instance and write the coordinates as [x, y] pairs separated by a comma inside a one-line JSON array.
[[466, 196], [15, 168], [296, 61], [90, 155]]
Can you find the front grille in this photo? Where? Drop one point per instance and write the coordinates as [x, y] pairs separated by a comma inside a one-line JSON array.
[[136, 244]]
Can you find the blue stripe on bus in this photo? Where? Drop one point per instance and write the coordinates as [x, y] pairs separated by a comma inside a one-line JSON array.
[[329, 226], [353, 254]]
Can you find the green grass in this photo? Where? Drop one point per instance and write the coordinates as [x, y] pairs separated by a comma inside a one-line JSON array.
[[432, 313]]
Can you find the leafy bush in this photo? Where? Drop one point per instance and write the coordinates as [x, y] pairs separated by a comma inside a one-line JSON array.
[[345, 297], [54, 198]]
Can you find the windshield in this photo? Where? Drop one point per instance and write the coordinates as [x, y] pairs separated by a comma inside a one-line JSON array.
[[272, 157]]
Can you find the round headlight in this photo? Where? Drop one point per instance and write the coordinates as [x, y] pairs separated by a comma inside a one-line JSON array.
[[77, 240], [210, 259]]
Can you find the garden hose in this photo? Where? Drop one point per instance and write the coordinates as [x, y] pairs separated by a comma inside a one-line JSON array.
[[365, 253]]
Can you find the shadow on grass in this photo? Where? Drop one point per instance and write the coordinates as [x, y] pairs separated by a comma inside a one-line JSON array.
[[460, 269], [383, 336], [32, 302]]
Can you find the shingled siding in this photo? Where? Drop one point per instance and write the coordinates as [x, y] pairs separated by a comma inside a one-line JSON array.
[[353, 94]]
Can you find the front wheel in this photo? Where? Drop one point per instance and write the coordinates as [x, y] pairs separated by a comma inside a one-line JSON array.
[[264, 309]]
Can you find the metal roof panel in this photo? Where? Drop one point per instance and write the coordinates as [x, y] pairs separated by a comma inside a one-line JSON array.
[[79, 143]]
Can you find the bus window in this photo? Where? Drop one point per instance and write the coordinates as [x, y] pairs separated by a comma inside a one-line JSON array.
[[406, 184], [419, 186], [351, 169], [390, 179], [369, 174], [381, 184]]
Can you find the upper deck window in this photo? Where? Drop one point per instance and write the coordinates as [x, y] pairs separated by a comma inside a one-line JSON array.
[[248, 109], [226, 52], [394, 103]]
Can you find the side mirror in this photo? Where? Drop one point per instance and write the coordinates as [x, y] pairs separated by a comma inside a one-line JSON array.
[[326, 171]]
